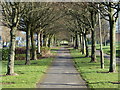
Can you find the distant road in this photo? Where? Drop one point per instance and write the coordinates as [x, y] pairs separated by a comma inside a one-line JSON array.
[[107, 56]]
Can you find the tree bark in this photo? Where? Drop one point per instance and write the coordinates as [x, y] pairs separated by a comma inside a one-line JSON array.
[[54, 42], [93, 52], [44, 40], [86, 45], [112, 42], [104, 38], [104, 42], [80, 39], [73, 42], [41, 39], [76, 40], [101, 50], [38, 43], [83, 43], [28, 47], [93, 46], [49, 42], [33, 49], [11, 57], [3, 44]]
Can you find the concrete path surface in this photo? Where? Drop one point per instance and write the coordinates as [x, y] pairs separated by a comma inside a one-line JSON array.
[[62, 73]]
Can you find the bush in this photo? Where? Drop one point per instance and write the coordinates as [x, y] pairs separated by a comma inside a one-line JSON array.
[[20, 56], [45, 50], [20, 50], [19, 53], [5, 53]]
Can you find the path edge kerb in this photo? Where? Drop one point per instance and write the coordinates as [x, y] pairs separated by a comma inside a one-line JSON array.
[[75, 65], [43, 76]]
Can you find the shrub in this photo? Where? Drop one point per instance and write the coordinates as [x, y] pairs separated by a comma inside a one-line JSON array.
[[19, 53], [20, 50], [45, 51], [20, 57], [5, 53]]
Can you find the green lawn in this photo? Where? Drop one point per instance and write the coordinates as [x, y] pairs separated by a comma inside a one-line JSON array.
[[28, 75], [91, 72]]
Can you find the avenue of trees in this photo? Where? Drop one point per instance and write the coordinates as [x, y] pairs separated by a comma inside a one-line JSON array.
[[54, 22]]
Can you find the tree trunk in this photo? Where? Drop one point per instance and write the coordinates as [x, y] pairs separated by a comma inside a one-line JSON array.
[[44, 40], [82, 46], [93, 52], [38, 43], [104, 42], [80, 36], [49, 42], [73, 42], [104, 38], [28, 47], [33, 49], [83, 43], [41, 39], [80, 39], [11, 57], [101, 50], [54, 43], [112, 43], [76, 40], [3, 44], [86, 45]]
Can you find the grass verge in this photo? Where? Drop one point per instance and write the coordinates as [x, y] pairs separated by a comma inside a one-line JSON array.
[[28, 75], [92, 74]]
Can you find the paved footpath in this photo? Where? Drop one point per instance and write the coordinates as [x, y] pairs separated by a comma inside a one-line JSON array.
[[62, 73]]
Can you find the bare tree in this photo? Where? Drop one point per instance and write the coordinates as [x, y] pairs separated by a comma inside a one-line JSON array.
[[11, 12], [109, 11]]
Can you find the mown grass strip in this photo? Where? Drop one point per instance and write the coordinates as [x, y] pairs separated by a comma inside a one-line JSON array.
[[28, 75], [93, 74]]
